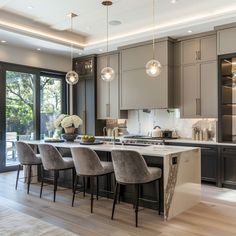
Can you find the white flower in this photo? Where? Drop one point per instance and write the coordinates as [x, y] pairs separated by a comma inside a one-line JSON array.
[[66, 121]]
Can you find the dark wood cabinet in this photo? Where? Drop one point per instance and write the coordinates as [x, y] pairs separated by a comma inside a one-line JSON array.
[[228, 166], [84, 96]]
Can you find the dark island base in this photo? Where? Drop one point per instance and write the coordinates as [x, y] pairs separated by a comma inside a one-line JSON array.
[[148, 194]]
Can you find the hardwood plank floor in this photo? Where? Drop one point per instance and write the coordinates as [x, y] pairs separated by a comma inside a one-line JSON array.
[[214, 216]]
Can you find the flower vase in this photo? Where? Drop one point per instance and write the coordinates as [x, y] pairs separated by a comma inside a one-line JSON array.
[[69, 134]]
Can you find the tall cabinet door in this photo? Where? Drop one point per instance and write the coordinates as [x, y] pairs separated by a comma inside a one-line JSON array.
[[190, 49], [209, 85], [191, 93]]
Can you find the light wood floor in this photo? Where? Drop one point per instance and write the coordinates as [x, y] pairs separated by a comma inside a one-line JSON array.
[[214, 216]]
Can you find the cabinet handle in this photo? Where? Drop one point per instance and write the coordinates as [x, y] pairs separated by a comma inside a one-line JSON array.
[[84, 122], [198, 106], [196, 56], [108, 110], [199, 55]]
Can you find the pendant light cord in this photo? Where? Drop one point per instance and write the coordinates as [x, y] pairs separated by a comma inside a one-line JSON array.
[[153, 22], [108, 58], [71, 44]]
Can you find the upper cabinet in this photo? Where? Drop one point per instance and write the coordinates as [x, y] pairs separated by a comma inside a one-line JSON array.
[[199, 50], [108, 106], [138, 90], [198, 76], [226, 41]]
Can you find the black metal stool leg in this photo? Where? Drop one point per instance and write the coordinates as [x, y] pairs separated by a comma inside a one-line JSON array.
[[74, 189], [159, 200], [56, 173], [115, 200], [17, 176], [84, 185], [41, 189], [29, 178], [137, 204], [91, 189], [97, 186], [73, 179]]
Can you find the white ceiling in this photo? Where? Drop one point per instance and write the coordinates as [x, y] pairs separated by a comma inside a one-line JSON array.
[[47, 25]]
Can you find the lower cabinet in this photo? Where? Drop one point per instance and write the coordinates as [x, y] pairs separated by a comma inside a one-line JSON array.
[[209, 162], [228, 166]]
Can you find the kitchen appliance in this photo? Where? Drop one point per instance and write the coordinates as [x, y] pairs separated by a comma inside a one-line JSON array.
[[156, 132]]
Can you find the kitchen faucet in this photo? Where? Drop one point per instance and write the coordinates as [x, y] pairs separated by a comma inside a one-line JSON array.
[[114, 135], [104, 131]]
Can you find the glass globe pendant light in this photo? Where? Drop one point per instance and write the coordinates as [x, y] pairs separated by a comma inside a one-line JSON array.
[[107, 73], [72, 77], [153, 67]]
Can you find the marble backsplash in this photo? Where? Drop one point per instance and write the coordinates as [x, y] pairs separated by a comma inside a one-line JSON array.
[[140, 122]]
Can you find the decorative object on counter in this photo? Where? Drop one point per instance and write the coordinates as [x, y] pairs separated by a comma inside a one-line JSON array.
[[156, 132], [69, 124], [107, 73], [153, 67], [87, 139], [72, 77]]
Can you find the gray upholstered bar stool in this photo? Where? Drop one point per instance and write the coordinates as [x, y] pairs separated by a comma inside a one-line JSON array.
[[131, 168], [27, 157], [53, 160], [88, 164]]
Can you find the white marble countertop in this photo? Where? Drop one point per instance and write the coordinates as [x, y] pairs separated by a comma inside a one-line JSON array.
[[153, 150]]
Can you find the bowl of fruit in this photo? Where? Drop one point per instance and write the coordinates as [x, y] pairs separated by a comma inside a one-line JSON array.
[[88, 139]]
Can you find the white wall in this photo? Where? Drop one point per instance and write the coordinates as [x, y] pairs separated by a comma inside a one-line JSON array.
[[34, 58], [140, 122]]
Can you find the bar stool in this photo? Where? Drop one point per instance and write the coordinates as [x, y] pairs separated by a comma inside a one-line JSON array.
[[27, 157], [88, 164], [131, 168], [52, 160]]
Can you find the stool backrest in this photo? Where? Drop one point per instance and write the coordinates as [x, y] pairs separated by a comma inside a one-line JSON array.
[[25, 153], [86, 161], [51, 157], [129, 166]]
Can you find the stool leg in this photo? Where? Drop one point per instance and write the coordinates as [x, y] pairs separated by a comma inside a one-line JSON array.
[[56, 173], [74, 190], [159, 190], [97, 186], [115, 200], [17, 176], [137, 187], [41, 189], [29, 178], [73, 178], [84, 185], [91, 187], [119, 193]]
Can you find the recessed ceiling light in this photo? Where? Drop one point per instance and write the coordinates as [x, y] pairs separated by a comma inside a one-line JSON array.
[[38, 49], [3, 41], [30, 7], [114, 22], [173, 1], [100, 50], [190, 31]]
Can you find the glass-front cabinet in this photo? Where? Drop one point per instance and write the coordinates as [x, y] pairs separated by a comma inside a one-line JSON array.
[[227, 98]]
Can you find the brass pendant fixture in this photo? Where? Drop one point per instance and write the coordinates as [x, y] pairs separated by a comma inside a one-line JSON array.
[[72, 77], [107, 73], [153, 67]]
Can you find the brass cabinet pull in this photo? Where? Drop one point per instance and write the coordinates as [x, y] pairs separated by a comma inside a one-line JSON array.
[[199, 55], [196, 56], [108, 110], [198, 106]]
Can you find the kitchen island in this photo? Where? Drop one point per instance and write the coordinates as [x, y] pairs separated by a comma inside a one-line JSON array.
[[181, 183]]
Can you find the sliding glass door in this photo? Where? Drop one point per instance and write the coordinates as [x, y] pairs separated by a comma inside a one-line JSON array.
[[20, 103], [29, 102]]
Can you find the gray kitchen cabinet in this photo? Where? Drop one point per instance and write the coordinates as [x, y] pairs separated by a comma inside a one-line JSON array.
[[199, 49], [198, 77], [226, 41], [108, 92], [138, 90], [199, 90]]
